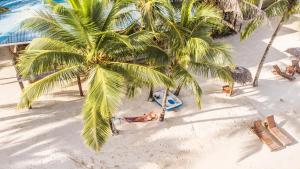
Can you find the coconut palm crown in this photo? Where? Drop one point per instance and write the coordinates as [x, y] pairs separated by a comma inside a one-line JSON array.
[[185, 36], [85, 38]]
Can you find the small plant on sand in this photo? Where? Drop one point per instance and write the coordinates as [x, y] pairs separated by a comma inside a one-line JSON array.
[[282, 8], [87, 38]]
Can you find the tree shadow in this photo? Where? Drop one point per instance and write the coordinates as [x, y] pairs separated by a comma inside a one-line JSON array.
[[8, 78], [6, 83], [291, 120], [152, 144], [49, 135], [255, 45], [10, 105], [144, 151], [250, 147], [34, 131], [73, 93]]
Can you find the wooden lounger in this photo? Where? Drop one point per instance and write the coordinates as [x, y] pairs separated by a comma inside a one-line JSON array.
[[283, 74], [274, 130], [264, 136], [295, 64], [290, 70]]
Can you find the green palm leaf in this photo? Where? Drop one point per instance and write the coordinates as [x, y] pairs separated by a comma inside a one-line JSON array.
[[277, 8], [60, 78], [252, 26], [184, 77], [103, 97]]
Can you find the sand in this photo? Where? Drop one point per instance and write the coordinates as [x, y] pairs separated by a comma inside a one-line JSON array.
[[48, 136]]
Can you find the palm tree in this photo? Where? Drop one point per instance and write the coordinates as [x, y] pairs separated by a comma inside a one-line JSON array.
[[149, 11], [282, 8], [87, 38], [187, 43]]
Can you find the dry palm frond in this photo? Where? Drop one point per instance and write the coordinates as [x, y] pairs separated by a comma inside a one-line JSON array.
[[241, 75], [231, 6]]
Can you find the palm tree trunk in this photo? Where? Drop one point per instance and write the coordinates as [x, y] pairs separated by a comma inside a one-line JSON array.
[[19, 78], [261, 63], [14, 53], [164, 106], [178, 89], [150, 98], [231, 88], [79, 85], [113, 128]]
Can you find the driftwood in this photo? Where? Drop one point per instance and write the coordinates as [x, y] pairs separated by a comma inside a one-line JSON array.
[[283, 74]]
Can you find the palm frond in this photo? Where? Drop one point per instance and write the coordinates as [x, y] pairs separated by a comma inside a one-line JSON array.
[[39, 61], [104, 94], [60, 78], [144, 73], [184, 78], [208, 69], [277, 8], [186, 11], [252, 26]]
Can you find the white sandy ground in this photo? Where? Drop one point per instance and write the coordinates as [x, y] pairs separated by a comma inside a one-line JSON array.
[[48, 136]]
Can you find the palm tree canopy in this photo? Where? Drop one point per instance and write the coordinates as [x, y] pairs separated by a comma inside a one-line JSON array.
[[284, 8], [186, 36], [149, 11], [94, 38], [86, 38]]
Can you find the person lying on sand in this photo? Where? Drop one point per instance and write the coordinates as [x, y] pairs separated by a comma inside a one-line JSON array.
[[144, 118]]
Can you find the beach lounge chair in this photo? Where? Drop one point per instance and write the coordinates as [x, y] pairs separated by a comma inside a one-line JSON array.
[[295, 64], [283, 74], [274, 130], [290, 70], [264, 136], [144, 118]]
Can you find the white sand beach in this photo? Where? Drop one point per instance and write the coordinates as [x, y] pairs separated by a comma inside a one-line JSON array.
[[215, 137]]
